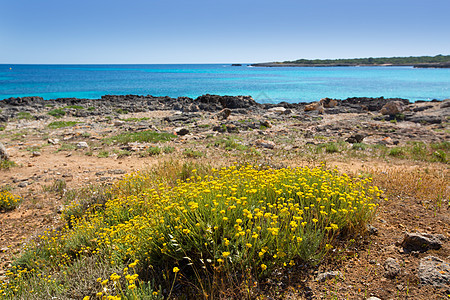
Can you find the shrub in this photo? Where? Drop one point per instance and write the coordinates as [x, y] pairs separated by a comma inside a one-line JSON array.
[[9, 201], [397, 152], [190, 153], [25, 116], [7, 164], [75, 106], [154, 151], [57, 113], [238, 223]]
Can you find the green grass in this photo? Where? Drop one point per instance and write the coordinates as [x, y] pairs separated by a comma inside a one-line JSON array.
[[61, 124], [103, 154], [121, 111], [168, 149], [151, 151], [25, 116], [190, 153], [7, 164], [91, 108], [135, 119], [230, 143], [57, 113], [142, 136], [74, 107], [66, 147]]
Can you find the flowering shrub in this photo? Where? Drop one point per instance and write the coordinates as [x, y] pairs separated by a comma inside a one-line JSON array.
[[239, 220], [8, 201]]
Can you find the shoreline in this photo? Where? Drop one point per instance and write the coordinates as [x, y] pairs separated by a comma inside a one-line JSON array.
[[424, 65]]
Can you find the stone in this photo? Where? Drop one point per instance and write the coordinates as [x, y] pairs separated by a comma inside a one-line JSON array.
[[35, 153], [421, 242], [392, 108], [434, 271], [53, 141], [373, 298], [81, 145], [328, 275], [312, 106], [265, 144], [117, 172], [265, 123], [119, 123], [23, 184], [223, 114], [328, 103], [355, 138], [231, 128], [3, 154], [391, 267], [278, 109], [181, 131]]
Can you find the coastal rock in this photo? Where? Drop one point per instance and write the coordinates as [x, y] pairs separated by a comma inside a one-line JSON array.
[[3, 154], [223, 114], [278, 109], [434, 271], [328, 102], [392, 108], [312, 106], [421, 242]]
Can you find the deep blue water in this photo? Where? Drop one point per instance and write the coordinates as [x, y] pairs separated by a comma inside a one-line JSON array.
[[264, 84]]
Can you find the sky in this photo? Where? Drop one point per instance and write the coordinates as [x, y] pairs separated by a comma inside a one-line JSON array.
[[218, 31]]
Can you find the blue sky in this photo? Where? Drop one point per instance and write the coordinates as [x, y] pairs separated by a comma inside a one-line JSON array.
[[217, 31]]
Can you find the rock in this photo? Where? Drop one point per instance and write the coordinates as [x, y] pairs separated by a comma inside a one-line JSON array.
[[223, 114], [181, 131], [445, 103], [328, 275], [81, 145], [35, 153], [265, 124], [23, 184], [117, 172], [373, 298], [222, 128], [265, 144], [231, 128], [356, 138], [392, 108], [434, 271], [372, 230], [421, 242], [328, 103], [119, 123], [312, 106], [4, 249], [53, 141], [391, 267], [278, 109], [3, 154]]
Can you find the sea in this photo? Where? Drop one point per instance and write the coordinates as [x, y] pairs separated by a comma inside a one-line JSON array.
[[265, 85]]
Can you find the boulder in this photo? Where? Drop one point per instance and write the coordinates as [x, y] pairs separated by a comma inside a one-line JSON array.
[[392, 108], [314, 106], [278, 109], [355, 138], [181, 131], [434, 271]]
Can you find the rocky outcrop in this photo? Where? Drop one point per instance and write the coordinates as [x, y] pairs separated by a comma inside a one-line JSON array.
[[392, 108], [434, 271], [3, 154]]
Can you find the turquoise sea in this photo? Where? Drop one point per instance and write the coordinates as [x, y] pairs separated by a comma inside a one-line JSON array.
[[266, 85]]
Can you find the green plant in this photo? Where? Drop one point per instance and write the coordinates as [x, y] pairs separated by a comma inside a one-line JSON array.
[[66, 147], [154, 151], [440, 156], [74, 107], [103, 154], [397, 152], [57, 113], [190, 153], [359, 146], [121, 111], [61, 124], [141, 136], [8, 201], [135, 119], [168, 149], [25, 116], [7, 164]]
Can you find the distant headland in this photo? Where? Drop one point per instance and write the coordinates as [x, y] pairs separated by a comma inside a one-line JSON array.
[[438, 61]]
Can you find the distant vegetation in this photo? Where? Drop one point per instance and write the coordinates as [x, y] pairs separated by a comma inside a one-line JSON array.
[[411, 60]]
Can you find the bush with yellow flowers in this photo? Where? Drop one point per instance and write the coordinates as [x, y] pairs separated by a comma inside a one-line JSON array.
[[8, 200], [242, 221]]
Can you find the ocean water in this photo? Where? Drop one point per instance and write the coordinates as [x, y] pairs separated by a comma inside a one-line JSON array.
[[265, 85]]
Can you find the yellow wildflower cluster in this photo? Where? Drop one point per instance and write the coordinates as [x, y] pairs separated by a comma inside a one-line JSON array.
[[8, 200], [238, 218]]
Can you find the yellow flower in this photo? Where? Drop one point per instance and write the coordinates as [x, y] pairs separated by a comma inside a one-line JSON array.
[[131, 286], [220, 260], [225, 254], [86, 298], [239, 221], [176, 270], [263, 267], [248, 245]]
